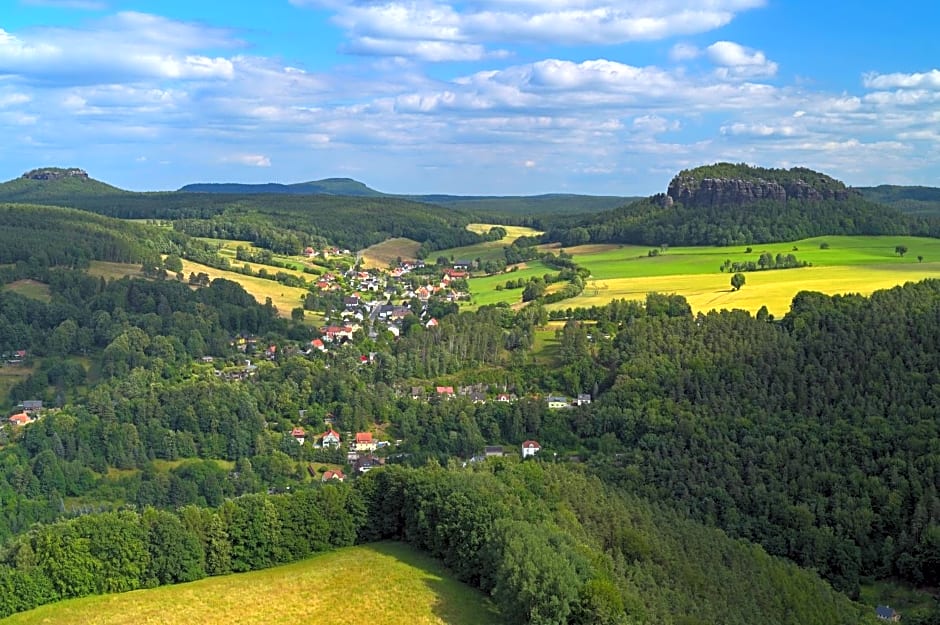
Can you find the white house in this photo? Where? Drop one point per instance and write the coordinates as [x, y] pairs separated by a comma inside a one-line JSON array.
[[530, 448]]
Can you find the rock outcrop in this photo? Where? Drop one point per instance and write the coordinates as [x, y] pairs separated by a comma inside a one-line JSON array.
[[709, 192], [56, 173]]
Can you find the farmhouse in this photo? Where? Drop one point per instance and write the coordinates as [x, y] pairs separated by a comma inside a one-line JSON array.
[[299, 435]]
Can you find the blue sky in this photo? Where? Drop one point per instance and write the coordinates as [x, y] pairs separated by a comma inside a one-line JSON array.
[[468, 96]]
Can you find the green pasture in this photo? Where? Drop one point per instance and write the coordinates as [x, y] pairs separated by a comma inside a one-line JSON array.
[[388, 583], [849, 265], [631, 261], [488, 250], [31, 289], [484, 289]]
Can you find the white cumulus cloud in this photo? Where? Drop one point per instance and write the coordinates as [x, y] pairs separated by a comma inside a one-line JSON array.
[[737, 61], [432, 29]]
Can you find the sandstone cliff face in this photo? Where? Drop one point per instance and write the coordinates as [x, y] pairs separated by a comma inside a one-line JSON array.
[[54, 173], [711, 192]]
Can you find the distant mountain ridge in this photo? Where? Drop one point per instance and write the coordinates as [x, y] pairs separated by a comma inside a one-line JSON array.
[[327, 186]]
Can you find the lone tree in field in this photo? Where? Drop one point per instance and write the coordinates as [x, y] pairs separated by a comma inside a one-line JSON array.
[[737, 281], [900, 250]]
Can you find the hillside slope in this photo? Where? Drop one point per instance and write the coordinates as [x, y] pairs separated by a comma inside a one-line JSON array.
[[389, 581]]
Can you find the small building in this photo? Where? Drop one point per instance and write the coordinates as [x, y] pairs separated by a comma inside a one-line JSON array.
[[530, 448], [887, 613], [445, 391], [331, 476], [330, 439], [556, 402], [299, 435], [506, 398], [417, 392], [584, 399], [493, 451], [20, 419], [364, 442]]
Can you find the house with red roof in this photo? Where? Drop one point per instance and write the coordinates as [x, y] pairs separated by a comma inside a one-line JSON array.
[[330, 476], [318, 344], [20, 419], [299, 435], [364, 442], [445, 391], [530, 448], [330, 438]]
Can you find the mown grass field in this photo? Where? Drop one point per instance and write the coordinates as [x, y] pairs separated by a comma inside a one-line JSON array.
[[113, 271], [849, 265], [387, 583], [285, 298], [488, 250], [30, 288], [381, 255], [484, 289]]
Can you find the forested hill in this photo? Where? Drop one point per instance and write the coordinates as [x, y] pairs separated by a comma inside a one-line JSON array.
[[48, 235], [921, 200], [493, 207], [281, 222], [727, 204]]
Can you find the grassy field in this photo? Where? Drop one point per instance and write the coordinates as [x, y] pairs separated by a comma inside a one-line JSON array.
[[387, 583], [488, 250], [849, 265], [484, 289], [30, 288], [115, 271], [381, 255], [284, 298], [295, 264]]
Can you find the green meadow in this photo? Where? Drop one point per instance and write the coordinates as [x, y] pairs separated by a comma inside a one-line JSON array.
[[488, 250], [848, 265], [388, 583], [31, 289], [484, 290]]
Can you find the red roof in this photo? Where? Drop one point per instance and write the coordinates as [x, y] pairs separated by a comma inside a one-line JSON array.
[[333, 475], [363, 437], [531, 445], [330, 432], [20, 419], [445, 390], [298, 433]]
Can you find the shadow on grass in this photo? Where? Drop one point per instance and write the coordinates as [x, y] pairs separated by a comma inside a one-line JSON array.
[[455, 603]]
